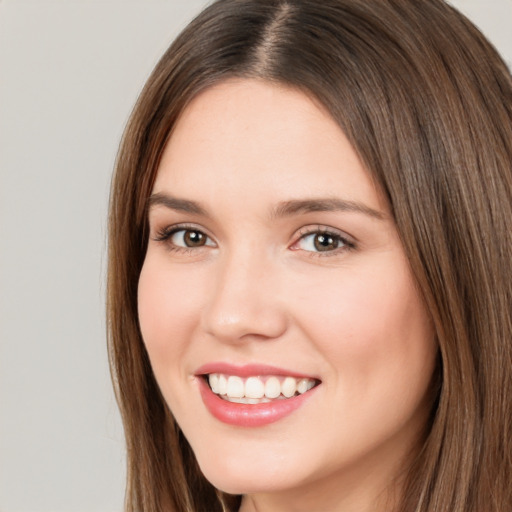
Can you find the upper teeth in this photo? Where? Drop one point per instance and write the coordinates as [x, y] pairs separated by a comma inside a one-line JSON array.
[[232, 386]]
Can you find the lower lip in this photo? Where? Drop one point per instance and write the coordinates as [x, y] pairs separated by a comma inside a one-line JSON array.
[[247, 415]]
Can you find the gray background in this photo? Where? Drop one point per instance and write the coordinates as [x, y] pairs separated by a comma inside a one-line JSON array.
[[70, 71]]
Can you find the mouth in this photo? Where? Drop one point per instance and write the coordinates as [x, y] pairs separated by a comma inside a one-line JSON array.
[[257, 389], [253, 395]]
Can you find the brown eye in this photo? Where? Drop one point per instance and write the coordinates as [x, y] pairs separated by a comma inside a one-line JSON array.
[[325, 242], [194, 239], [320, 241], [189, 238]]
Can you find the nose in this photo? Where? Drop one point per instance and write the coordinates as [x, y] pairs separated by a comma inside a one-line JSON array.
[[245, 300]]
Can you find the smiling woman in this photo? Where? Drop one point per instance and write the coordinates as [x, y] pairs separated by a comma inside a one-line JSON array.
[[310, 264], [260, 321]]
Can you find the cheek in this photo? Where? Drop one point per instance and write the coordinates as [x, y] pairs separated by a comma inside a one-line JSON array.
[[168, 310], [377, 343], [368, 323]]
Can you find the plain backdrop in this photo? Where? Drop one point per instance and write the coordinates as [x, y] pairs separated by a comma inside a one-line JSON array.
[[70, 71]]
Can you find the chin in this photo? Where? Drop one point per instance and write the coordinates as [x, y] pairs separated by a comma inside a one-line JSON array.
[[245, 484], [246, 475]]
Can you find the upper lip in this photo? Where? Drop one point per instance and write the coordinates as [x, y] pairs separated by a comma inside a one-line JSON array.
[[249, 370]]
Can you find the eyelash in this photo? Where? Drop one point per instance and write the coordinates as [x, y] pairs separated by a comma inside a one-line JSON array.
[[347, 243], [164, 235]]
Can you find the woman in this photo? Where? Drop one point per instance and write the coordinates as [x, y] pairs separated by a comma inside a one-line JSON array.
[[310, 272]]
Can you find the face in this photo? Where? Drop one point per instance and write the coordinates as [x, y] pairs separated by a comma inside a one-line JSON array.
[[277, 307]]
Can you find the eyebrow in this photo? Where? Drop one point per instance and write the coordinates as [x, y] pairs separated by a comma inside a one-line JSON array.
[[283, 209], [298, 206], [174, 203]]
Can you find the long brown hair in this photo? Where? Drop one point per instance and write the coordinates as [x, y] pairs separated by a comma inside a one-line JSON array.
[[427, 103]]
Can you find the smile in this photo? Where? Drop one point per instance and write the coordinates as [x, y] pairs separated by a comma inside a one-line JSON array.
[[257, 389], [253, 395]]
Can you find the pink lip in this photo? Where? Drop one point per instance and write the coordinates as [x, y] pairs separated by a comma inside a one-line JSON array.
[[248, 370], [247, 415]]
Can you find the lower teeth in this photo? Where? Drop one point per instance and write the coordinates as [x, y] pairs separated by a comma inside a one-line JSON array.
[[245, 400], [251, 401]]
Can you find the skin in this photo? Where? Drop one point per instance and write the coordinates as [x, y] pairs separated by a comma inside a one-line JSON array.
[[260, 292]]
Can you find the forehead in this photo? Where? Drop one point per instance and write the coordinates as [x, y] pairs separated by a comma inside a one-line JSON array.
[[249, 137]]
